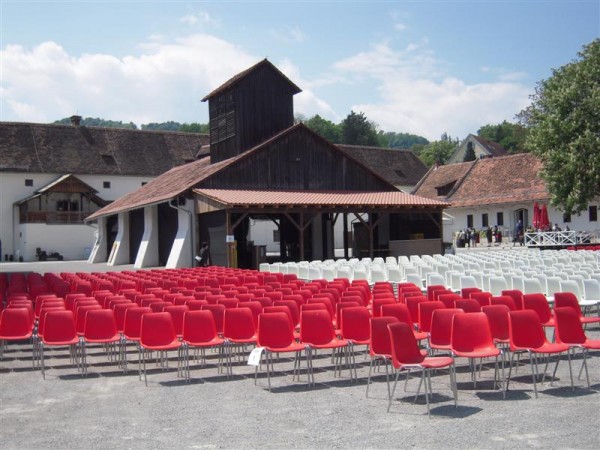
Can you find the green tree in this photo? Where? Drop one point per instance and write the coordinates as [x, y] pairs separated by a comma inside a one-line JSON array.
[[511, 136], [164, 126], [437, 152], [97, 122], [325, 128], [194, 127], [391, 139], [358, 130], [470, 153], [564, 130]]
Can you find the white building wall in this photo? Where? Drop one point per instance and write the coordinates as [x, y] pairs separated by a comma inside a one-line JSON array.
[[181, 251], [13, 189], [73, 242], [147, 255]]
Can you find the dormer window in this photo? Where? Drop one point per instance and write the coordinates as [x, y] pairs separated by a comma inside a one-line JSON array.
[[445, 189]]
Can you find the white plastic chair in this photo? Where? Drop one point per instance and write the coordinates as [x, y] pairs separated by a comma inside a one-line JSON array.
[[415, 278], [573, 286], [497, 285], [436, 279], [345, 271], [378, 273], [532, 286], [329, 272], [361, 273], [467, 281]]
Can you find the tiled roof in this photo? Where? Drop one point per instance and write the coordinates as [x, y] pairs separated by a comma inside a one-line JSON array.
[[439, 176], [52, 148], [494, 148], [505, 179], [397, 166], [235, 79], [164, 187], [231, 197]]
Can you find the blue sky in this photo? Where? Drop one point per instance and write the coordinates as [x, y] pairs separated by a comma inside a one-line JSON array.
[[424, 67]]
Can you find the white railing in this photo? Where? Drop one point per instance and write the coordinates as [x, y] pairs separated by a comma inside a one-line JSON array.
[[559, 238]]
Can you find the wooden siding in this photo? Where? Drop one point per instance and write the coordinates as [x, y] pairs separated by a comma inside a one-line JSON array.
[[262, 107], [297, 161]]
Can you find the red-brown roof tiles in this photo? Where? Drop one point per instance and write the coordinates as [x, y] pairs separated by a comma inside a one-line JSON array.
[[231, 197]]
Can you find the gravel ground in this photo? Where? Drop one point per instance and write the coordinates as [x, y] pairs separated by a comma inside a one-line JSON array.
[[110, 409]]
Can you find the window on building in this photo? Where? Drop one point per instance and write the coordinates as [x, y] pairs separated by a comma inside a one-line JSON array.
[[144, 183], [499, 219], [567, 218], [28, 182], [469, 220], [275, 235], [109, 160], [484, 220], [106, 184], [593, 213]]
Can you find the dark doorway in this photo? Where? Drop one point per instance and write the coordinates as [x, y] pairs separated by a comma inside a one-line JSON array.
[[112, 229], [167, 230], [136, 232]]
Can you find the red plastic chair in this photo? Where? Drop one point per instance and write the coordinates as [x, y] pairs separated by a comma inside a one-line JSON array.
[[356, 329], [431, 290], [401, 312], [16, 324], [316, 331], [132, 327], [441, 328], [425, 312], [516, 295], [505, 300], [472, 338], [157, 334], [569, 330], [449, 299], [276, 335], [568, 299], [177, 312], [498, 319], [100, 328], [218, 312], [379, 302], [413, 306], [381, 348], [200, 332], [238, 330], [468, 305], [406, 355], [483, 298], [468, 292], [59, 331], [538, 303], [527, 335]]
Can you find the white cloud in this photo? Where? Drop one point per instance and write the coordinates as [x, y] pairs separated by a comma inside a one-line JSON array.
[[417, 95], [189, 19], [199, 17], [400, 26], [165, 82], [292, 35]]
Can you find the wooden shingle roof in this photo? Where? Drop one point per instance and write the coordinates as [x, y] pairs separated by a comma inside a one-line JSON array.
[[52, 148]]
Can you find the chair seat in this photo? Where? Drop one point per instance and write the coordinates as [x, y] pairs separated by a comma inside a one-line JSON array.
[[293, 347], [359, 341], [250, 340], [73, 341], [16, 338], [589, 319], [480, 353], [548, 347], [212, 343], [336, 343], [592, 344], [421, 335], [437, 362], [170, 346], [114, 338]]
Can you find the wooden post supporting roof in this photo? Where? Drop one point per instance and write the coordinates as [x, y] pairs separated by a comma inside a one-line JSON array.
[[300, 227]]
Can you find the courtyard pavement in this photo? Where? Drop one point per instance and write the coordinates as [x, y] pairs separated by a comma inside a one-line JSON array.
[[113, 409]]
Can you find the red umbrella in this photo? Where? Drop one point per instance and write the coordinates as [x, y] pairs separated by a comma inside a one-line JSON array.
[[536, 216], [544, 220]]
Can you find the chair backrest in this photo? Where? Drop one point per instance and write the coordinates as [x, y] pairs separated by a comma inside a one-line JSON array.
[[133, 321], [397, 310], [539, 304], [483, 298], [432, 288], [505, 300], [316, 327], [413, 306], [293, 308], [426, 311], [380, 336], [591, 289], [355, 323], [80, 315], [403, 345], [468, 291], [199, 327], [567, 299], [569, 329], [378, 302], [471, 332], [238, 323], [157, 329], [100, 324], [449, 299], [177, 312], [59, 327], [525, 329], [516, 295], [120, 311], [441, 325], [274, 331], [218, 312], [468, 305], [498, 319], [570, 286], [16, 323], [497, 285]]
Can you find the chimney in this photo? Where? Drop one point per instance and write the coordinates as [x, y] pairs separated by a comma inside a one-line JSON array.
[[75, 120]]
